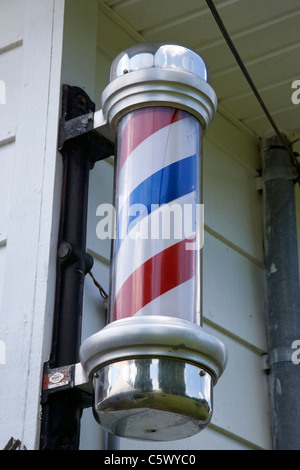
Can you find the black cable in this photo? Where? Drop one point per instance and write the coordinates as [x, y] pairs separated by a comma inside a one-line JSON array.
[[241, 64], [101, 290]]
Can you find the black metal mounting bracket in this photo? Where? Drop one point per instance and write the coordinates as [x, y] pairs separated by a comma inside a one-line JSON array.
[[77, 120], [81, 147]]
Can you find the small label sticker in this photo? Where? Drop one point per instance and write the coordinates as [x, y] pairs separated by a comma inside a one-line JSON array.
[[56, 379]]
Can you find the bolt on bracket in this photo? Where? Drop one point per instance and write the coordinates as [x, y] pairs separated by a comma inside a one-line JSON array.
[[80, 119]]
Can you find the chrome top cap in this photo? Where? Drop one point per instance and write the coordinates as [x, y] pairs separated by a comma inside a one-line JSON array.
[[158, 55]]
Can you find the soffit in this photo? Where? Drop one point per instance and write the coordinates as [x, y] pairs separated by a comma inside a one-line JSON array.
[[266, 34]]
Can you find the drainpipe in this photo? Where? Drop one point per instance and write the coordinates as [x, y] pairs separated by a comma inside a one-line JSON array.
[[283, 297]]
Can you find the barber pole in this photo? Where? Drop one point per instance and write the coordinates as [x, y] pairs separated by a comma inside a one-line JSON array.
[[153, 366]]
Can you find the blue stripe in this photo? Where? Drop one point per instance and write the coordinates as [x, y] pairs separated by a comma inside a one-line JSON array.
[[167, 184]]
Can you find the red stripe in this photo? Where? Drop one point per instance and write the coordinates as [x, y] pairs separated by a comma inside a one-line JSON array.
[[143, 123], [158, 275]]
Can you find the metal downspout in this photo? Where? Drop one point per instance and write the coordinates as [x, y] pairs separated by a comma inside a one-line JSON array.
[[283, 297]]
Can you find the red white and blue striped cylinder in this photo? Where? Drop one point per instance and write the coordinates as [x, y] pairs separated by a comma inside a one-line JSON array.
[[155, 266]]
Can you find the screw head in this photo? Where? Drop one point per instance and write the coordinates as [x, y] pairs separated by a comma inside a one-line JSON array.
[[64, 250]]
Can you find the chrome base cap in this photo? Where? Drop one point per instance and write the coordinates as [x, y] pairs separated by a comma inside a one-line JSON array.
[[152, 399], [153, 376], [154, 336]]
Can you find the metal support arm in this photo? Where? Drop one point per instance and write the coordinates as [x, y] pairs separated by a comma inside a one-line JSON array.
[[80, 147]]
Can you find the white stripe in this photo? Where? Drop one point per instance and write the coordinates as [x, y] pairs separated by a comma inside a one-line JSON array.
[[178, 302], [136, 249], [166, 146]]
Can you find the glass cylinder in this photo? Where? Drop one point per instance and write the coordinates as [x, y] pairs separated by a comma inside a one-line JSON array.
[[156, 250]]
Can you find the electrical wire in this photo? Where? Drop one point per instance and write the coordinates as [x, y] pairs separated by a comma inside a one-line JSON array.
[[103, 294], [241, 64]]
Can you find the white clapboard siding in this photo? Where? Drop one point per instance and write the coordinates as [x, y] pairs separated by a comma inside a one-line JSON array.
[[2, 268], [11, 37], [233, 293], [6, 165], [11, 22], [30, 62], [10, 73], [101, 192], [80, 44], [94, 311], [242, 387], [232, 203]]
